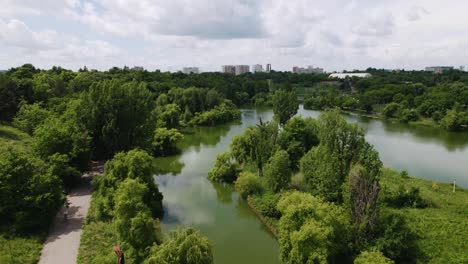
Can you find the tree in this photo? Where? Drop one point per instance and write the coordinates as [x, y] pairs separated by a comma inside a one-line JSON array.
[[63, 136], [164, 141], [277, 171], [391, 110], [372, 257], [132, 217], [285, 105], [185, 246], [311, 231], [135, 164], [117, 115], [30, 194], [247, 184], [30, 116], [224, 169], [9, 99], [452, 121]]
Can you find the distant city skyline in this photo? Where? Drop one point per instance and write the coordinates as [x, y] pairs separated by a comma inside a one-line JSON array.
[[169, 35]]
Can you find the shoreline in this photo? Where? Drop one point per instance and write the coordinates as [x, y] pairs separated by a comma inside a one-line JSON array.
[[262, 218]]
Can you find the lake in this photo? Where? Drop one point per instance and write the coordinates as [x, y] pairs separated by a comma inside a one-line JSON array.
[[235, 232]]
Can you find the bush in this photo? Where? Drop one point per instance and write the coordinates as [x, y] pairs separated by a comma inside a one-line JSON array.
[[372, 257], [391, 110], [223, 113], [224, 170], [248, 183], [406, 198], [164, 141], [409, 115], [266, 204]]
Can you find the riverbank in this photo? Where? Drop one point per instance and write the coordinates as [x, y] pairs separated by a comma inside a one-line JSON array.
[[441, 227]]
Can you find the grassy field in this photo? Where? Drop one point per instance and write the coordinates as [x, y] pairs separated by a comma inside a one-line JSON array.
[[442, 226], [19, 249], [96, 243]]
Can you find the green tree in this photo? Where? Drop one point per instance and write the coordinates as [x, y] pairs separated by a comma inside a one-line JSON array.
[[285, 105], [63, 136], [135, 164], [118, 116], [30, 194], [185, 246], [391, 110], [311, 231], [247, 184], [30, 116], [132, 217], [452, 121], [164, 141], [372, 257], [9, 98], [224, 169], [277, 171]]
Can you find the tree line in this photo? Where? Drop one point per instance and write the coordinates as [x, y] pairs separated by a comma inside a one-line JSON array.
[[406, 96]]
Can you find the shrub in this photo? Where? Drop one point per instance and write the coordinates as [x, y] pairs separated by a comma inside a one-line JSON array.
[[277, 171], [372, 257], [224, 170], [266, 204], [29, 117], [248, 183], [406, 198], [164, 141]]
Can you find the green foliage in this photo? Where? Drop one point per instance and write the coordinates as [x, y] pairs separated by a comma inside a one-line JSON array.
[[298, 136], [247, 184], [59, 164], [266, 204], [164, 141], [9, 98], [30, 194], [311, 231], [277, 171], [285, 105], [65, 137], [96, 244], [117, 115], [453, 120], [135, 164], [409, 115], [372, 257], [395, 239], [185, 246], [30, 116], [20, 248], [132, 217], [391, 110], [222, 113], [224, 169], [406, 198]]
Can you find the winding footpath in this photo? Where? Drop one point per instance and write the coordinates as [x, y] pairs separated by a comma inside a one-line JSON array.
[[63, 241]]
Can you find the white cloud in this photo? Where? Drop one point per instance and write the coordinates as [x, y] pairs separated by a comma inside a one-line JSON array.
[[334, 34]]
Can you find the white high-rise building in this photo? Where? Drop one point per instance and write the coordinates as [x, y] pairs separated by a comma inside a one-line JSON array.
[[309, 69], [188, 70], [257, 68], [268, 67], [240, 69]]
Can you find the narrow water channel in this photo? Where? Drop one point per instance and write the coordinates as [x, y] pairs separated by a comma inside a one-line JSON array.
[[235, 232]]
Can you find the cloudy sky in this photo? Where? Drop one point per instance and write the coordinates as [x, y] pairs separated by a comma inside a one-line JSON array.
[[170, 34]]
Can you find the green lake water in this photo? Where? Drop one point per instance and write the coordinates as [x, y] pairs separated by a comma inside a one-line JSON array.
[[235, 232]]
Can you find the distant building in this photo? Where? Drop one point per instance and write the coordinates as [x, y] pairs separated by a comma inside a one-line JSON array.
[[188, 70], [240, 69], [268, 67], [228, 69], [439, 69], [257, 68], [309, 69], [350, 75], [137, 68], [462, 68]]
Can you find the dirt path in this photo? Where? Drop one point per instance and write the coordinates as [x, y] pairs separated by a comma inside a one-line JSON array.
[[63, 241]]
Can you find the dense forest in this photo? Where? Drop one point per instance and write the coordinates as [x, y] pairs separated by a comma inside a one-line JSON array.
[[423, 97], [56, 121]]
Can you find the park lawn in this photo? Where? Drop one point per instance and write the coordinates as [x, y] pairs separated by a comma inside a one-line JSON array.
[[443, 226]]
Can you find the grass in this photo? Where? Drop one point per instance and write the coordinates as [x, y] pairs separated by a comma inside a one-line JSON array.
[[21, 249], [97, 240], [443, 226], [13, 137]]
